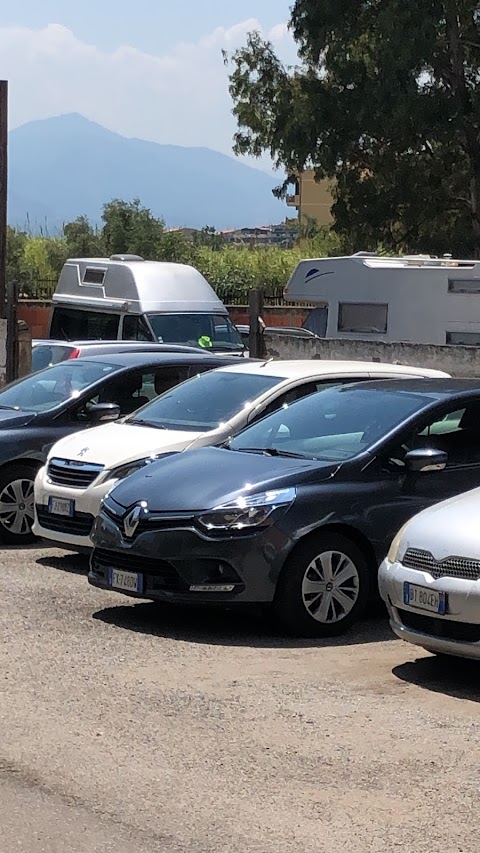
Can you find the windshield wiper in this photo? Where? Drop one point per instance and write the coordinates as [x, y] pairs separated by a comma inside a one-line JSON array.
[[142, 422], [272, 451]]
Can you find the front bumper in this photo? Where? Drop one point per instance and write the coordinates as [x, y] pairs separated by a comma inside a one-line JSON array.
[[186, 558], [72, 532], [456, 633]]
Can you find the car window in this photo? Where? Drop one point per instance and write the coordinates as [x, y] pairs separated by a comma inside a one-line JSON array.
[[337, 424], [209, 331], [299, 391], [45, 355], [457, 432], [71, 324], [207, 400], [43, 391], [135, 329]]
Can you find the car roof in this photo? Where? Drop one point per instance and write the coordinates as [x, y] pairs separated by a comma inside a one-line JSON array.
[[434, 389], [139, 359], [303, 368]]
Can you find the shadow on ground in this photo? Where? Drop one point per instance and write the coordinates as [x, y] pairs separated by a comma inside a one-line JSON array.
[[229, 627], [451, 676], [74, 564]]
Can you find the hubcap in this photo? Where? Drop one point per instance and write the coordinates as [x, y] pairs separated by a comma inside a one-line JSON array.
[[330, 587], [16, 507]]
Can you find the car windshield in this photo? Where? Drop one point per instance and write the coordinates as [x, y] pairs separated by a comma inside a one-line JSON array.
[[49, 388], [335, 425], [205, 402], [210, 331]]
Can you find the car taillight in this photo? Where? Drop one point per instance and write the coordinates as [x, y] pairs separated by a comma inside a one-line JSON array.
[[75, 353]]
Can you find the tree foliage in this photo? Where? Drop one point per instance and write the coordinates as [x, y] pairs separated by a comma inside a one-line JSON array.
[[386, 101]]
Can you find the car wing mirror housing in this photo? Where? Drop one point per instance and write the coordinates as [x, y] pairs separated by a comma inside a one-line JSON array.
[[102, 413], [426, 459]]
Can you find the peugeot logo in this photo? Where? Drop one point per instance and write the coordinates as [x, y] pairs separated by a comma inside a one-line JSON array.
[[83, 451], [132, 520]]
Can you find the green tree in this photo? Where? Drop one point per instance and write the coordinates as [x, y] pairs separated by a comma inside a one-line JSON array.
[[131, 228], [209, 236], [16, 242], [386, 101], [82, 239]]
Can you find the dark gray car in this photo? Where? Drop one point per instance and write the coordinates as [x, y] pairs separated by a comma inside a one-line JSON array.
[[38, 410]]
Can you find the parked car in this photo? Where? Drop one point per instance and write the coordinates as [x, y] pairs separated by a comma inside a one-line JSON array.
[[81, 469], [430, 580], [41, 408], [287, 331], [45, 353], [296, 511]]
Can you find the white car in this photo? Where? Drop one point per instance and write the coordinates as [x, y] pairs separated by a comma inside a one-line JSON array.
[[83, 467], [430, 581]]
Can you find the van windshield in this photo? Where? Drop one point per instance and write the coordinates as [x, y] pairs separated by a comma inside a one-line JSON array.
[[210, 331]]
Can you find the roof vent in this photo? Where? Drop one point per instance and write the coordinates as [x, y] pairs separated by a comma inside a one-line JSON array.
[[128, 258]]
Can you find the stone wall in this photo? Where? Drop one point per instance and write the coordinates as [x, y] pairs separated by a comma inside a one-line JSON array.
[[456, 360]]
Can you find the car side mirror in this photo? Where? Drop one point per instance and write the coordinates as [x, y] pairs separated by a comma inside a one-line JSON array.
[[102, 413], [426, 459]]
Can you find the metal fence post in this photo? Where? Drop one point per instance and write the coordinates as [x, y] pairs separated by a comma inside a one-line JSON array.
[[11, 368], [255, 300]]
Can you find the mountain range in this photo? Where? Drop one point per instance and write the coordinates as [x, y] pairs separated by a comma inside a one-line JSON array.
[[66, 166]]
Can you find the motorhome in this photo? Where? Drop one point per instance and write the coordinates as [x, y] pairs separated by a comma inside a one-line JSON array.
[[419, 299], [125, 297]]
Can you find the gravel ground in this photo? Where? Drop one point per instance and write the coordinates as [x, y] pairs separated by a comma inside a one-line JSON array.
[[134, 728]]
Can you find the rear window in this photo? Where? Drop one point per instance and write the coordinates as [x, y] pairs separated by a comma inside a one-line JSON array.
[[70, 324], [206, 401], [46, 355]]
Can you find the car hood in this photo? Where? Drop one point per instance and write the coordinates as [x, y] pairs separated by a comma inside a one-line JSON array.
[[10, 418], [113, 444], [448, 529], [211, 476]]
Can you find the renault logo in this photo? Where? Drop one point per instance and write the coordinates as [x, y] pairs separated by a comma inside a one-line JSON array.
[[132, 520]]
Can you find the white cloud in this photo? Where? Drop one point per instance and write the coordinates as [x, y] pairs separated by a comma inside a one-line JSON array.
[[180, 97]]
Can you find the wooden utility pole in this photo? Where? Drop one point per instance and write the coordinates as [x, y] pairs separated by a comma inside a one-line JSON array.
[[256, 323], [3, 194]]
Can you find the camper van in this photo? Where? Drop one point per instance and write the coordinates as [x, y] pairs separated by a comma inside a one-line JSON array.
[[420, 299], [125, 297]]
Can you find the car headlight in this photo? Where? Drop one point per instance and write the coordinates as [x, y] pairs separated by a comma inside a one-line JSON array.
[[248, 510], [130, 467], [395, 546]]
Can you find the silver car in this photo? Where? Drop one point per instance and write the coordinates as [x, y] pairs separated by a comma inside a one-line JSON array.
[[430, 581]]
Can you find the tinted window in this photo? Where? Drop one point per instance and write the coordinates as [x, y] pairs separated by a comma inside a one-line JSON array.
[[334, 425], [135, 329], [365, 317], [71, 324], [464, 285], [45, 355], [207, 330], [43, 391], [207, 400], [467, 339]]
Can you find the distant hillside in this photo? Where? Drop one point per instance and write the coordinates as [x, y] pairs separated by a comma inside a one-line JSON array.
[[65, 166]]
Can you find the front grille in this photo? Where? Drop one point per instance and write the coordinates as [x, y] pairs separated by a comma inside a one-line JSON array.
[[70, 472], [441, 628], [453, 567], [151, 522], [158, 574], [79, 524]]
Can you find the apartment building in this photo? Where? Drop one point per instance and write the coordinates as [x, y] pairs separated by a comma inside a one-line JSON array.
[[311, 198]]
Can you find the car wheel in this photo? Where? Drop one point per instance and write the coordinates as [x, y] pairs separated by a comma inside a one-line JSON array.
[[16, 505], [324, 587]]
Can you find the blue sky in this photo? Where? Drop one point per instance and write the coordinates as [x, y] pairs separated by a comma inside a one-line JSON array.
[[150, 69]]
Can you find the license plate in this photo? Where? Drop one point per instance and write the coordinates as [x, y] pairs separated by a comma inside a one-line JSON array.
[[129, 581], [61, 506], [423, 598]]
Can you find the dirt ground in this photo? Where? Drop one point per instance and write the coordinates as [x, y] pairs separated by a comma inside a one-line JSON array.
[[130, 727]]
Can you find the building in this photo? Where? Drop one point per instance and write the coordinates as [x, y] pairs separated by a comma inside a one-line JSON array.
[[264, 235], [311, 198]]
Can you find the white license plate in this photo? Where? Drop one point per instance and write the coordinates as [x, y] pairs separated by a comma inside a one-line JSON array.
[[61, 506], [423, 598], [129, 581]]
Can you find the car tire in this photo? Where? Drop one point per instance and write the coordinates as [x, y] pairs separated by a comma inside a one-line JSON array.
[[324, 587], [16, 505]]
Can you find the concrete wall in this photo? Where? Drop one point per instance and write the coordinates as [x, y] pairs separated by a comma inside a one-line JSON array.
[[458, 361]]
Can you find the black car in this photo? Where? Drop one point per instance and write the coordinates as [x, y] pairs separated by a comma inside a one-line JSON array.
[[46, 352], [297, 510], [38, 410]]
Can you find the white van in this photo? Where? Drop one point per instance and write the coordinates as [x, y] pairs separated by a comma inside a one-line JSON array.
[[366, 297], [125, 297]]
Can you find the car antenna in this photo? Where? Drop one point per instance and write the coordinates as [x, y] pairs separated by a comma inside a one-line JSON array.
[[267, 361]]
